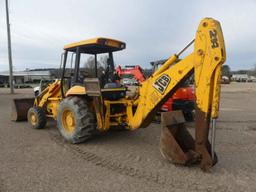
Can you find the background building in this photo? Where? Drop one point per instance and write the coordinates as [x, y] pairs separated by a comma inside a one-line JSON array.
[[29, 76]]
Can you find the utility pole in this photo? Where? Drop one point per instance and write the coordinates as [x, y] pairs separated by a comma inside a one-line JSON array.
[[9, 47]]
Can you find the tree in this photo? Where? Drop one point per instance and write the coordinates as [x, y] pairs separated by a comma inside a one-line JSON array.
[[89, 65], [226, 71]]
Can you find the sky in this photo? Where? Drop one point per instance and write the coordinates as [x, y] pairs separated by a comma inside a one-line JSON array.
[[152, 29]]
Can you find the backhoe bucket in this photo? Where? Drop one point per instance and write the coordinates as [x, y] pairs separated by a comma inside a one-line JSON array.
[[176, 143], [20, 108]]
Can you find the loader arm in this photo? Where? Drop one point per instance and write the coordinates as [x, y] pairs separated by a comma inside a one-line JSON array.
[[205, 62], [50, 98]]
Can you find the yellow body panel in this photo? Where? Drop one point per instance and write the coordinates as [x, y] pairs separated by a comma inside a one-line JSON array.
[[120, 118], [210, 55], [76, 90]]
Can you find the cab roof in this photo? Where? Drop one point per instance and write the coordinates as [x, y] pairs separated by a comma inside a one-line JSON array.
[[96, 45]]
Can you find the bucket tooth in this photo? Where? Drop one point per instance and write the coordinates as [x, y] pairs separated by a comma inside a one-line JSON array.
[[20, 107], [176, 143]]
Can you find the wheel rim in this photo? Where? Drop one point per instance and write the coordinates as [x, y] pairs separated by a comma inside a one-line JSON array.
[[68, 121], [33, 118]]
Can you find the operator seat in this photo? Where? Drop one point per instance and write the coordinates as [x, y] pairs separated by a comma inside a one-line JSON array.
[[111, 91]]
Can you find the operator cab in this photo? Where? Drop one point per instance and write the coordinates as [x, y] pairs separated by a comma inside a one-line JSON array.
[[75, 74]]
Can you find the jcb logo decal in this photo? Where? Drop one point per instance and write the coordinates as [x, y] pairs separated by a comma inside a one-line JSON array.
[[162, 83], [214, 40]]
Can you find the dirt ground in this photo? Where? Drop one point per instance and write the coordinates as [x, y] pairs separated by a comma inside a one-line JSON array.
[[39, 160]]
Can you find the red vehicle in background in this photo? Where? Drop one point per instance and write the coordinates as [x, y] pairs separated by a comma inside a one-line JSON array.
[[182, 99], [132, 71]]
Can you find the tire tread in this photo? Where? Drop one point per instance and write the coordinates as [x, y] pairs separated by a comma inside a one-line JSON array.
[[85, 119]]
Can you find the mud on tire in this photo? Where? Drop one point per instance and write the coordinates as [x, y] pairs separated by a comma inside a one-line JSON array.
[[83, 119]]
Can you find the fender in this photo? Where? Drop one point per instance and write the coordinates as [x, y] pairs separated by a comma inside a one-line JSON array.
[[76, 90]]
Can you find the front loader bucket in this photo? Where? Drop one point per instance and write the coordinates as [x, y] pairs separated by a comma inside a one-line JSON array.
[[20, 107], [176, 143]]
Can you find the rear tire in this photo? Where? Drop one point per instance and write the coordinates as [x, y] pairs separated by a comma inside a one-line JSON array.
[[36, 117], [75, 121]]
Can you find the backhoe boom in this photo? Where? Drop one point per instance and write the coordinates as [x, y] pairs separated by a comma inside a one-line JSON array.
[[205, 61]]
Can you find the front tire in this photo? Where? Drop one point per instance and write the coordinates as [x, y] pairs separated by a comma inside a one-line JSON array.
[[75, 121], [36, 117]]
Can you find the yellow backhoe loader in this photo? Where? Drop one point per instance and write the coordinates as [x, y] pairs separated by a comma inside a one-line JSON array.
[[84, 106]]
